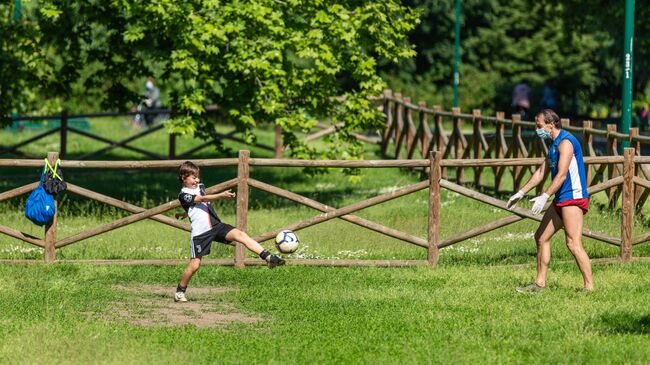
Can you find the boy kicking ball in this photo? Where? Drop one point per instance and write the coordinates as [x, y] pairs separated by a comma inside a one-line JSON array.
[[207, 227]]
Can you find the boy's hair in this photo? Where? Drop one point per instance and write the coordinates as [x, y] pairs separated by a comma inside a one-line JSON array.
[[550, 117], [186, 169]]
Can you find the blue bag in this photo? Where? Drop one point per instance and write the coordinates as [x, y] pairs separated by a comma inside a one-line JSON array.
[[40, 207]]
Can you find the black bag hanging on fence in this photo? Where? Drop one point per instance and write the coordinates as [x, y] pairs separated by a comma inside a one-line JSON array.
[[53, 182]]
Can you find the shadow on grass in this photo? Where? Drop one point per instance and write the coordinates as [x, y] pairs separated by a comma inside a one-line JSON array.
[[623, 323]]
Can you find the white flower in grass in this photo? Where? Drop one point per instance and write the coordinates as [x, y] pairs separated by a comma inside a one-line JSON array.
[[353, 254], [20, 249], [323, 186]]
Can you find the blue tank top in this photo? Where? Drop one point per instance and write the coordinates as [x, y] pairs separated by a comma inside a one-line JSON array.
[[575, 185]]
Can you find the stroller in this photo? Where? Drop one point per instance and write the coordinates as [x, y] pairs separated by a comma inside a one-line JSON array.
[[143, 119]]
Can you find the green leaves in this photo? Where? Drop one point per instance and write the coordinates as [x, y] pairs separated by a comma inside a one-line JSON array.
[[50, 12], [260, 61]]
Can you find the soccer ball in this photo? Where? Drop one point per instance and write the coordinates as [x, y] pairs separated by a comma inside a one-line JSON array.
[[286, 241]]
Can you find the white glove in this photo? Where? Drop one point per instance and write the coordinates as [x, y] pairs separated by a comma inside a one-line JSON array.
[[514, 199], [539, 204]]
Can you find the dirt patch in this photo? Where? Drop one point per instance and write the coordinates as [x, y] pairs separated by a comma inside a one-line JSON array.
[[154, 306]]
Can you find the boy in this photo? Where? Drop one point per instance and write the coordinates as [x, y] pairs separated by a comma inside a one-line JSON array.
[[206, 226]]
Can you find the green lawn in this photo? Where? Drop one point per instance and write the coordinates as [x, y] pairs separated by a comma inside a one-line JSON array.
[[463, 311], [452, 314]]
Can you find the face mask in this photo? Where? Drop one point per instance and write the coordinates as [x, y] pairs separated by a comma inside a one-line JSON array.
[[543, 134], [148, 85]]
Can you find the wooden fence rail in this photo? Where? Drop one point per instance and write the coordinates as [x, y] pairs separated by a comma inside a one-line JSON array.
[[435, 183]]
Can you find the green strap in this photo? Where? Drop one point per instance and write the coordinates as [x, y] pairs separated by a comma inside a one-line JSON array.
[[56, 165]]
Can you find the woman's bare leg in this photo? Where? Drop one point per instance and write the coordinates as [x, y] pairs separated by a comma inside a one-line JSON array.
[[573, 219]]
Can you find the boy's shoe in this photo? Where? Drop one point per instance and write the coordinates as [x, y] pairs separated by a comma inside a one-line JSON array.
[[530, 288], [274, 261], [180, 297]]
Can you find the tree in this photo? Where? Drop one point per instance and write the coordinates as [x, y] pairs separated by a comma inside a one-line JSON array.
[[579, 46], [23, 65], [289, 62]]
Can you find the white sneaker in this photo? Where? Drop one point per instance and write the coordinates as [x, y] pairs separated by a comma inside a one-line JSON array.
[[180, 297]]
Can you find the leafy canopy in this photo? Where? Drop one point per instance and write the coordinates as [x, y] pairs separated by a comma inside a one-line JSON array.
[[288, 62]]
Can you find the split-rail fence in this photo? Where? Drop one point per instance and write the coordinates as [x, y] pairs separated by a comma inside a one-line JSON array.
[[64, 129], [434, 164]]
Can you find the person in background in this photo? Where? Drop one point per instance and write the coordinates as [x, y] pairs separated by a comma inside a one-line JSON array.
[[521, 99], [549, 96], [151, 100], [642, 118]]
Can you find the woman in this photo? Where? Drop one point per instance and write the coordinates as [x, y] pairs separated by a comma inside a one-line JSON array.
[[571, 203]]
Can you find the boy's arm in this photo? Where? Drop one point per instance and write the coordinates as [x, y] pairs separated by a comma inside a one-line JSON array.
[[222, 195]]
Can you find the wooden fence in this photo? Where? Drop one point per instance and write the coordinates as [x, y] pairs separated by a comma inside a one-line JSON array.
[[435, 182], [408, 137], [63, 129]]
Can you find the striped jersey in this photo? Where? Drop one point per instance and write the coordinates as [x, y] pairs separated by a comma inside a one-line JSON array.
[[575, 185], [202, 216]]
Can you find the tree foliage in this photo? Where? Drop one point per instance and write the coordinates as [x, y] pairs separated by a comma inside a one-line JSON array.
[[289, 62], [576, 44]]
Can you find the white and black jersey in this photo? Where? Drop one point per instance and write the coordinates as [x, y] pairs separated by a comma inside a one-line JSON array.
[[202, 215], [206, 225]]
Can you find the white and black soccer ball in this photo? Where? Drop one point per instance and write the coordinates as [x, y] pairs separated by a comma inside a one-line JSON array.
[[286, 241]]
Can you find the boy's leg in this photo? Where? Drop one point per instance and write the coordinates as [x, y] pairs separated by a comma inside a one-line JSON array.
[[251, 244], [192, 267], [245, 239]]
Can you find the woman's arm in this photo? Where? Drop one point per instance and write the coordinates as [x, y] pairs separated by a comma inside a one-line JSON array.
[[566, 154], [537, 178]]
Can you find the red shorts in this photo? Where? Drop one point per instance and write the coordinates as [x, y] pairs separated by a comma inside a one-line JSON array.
[[581, 203]]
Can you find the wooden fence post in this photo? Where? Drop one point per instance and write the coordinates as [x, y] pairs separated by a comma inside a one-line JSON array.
[[243, 172], [389, 121], [636, 145], [499, 149], [434, 207], [478, 143], [458, 142], [566, 122], [403, 116], [278, 141], [49, 253], [612, 170], [514, 151], [399, 124], [425, 137], [410, 130], [587, 145], [627, 208], [172, 146], [63, 140]]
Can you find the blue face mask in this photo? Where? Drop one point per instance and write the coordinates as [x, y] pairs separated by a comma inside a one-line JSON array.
[[543, 134]]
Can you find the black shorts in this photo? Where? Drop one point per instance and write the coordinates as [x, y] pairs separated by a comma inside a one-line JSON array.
[[200, 245]]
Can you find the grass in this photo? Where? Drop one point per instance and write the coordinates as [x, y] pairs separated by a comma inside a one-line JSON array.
[[454, 314], [463, 311]]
